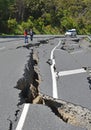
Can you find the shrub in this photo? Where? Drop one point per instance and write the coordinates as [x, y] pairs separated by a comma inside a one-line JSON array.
[[12, 25]]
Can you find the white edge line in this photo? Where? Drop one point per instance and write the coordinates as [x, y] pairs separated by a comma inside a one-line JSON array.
[[70, 72], [54, 83], [23, 117]]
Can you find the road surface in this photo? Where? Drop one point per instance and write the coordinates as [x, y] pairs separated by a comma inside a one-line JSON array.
[[14, 56]]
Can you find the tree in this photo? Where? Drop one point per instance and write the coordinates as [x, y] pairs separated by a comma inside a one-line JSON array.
[[12, 25], [4, 15]]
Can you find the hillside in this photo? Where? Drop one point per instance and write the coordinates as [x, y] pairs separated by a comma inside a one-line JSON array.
[[45, 17]]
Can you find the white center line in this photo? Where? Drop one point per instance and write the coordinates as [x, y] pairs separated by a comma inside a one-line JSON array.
[[54, 82], [70, 72], [23, 117]]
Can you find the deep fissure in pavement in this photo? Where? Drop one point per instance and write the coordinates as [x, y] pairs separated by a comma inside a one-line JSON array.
[[10, 124], [29, 86], [29, 83]]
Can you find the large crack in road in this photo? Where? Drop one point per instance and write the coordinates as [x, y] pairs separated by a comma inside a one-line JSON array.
[[30, 93]]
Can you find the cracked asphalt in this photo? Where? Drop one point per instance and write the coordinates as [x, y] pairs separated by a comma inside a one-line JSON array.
[[14, 55]]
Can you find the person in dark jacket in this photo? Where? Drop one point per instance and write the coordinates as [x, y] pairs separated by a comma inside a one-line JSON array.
[[31, 34]]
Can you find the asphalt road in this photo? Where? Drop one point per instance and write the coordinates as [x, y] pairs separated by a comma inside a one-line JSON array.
[[73, 88], [12, 63]]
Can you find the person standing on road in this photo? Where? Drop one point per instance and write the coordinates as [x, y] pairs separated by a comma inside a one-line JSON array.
[[25, 36], [31, 34]]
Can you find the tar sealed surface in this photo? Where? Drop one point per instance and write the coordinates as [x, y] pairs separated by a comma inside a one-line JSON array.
[[71, 116]]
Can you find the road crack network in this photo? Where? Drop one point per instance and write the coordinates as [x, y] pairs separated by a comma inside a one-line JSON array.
[[29, 86]]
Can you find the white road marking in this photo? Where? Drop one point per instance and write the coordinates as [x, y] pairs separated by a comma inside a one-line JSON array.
[[70, 72], [54, 82], [23, 117]]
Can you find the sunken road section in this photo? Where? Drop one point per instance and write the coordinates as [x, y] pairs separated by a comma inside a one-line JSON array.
[[29, 86]]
